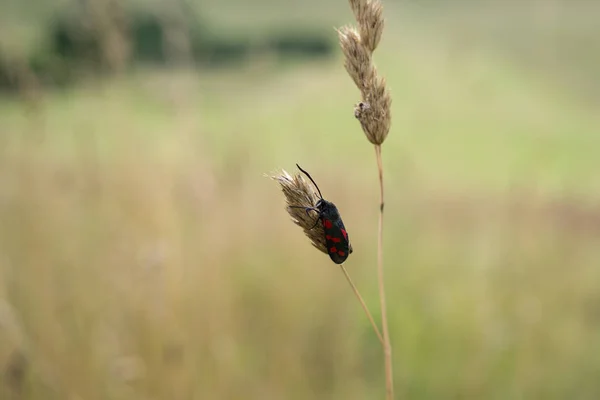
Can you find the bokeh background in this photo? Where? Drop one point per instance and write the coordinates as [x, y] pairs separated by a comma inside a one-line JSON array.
[[144, 255]]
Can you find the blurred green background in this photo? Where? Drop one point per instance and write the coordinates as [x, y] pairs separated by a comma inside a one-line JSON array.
[[143, 254]]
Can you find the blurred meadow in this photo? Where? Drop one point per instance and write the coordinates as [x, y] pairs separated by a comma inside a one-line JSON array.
[[144, 255]]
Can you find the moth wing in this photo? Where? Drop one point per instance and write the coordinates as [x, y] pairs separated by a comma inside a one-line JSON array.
[[336, 238]]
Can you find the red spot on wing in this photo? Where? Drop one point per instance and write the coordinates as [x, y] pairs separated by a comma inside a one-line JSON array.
[[327, 224], [333, 250], [328, 237], [336, 240], [345, 234], [341, 253]]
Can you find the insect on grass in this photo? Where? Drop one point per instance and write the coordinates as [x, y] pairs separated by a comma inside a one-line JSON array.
[[336, 236]]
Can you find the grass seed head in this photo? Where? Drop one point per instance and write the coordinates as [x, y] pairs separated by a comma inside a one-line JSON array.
[[374, 112], [358, 45], [369, 15], [299, 192], [357, 57]]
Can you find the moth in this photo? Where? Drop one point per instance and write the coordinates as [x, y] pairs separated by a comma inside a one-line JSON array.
[[336, 236]]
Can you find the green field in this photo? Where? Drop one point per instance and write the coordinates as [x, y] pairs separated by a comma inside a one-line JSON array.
[[143, 254]]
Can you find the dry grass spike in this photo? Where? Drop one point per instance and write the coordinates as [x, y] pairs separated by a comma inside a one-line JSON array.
[[299, 192], [369, 15], [358, 46]]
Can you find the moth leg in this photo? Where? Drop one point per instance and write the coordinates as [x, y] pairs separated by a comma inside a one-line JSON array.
[[311, 209], [307, 209], [316, 223]]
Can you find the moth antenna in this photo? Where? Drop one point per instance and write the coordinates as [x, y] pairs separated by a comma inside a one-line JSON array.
[[311, 179]]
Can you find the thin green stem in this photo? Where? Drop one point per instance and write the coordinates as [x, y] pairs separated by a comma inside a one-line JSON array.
[[387, 348], [363, 304]]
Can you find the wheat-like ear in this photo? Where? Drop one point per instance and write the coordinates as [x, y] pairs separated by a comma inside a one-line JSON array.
[[373, 111], [299, 193], [369, 15]]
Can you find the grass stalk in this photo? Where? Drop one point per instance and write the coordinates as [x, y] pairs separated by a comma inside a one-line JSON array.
[[387, 347], [373, 112], [363, 304]]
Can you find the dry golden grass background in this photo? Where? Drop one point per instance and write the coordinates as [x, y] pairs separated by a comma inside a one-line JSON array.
[[143, 255]]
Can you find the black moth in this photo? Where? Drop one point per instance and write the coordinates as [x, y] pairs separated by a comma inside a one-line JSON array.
[[336, 237]]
